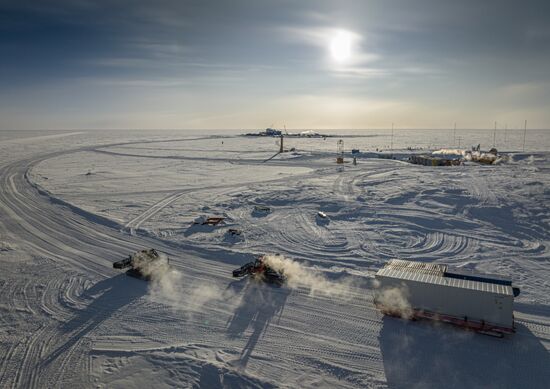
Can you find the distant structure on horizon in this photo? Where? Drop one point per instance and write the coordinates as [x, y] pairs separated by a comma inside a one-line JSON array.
[[277, 133], [267, 132]]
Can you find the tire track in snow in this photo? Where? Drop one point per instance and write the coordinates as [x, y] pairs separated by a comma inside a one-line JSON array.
[[352, 342], [136, 222]]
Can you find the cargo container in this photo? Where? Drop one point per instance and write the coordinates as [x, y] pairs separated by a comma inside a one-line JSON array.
[[418, 290], [428, 160]]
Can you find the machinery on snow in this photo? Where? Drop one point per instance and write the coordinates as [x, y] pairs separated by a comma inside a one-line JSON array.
[[144, 264], [260, 269]]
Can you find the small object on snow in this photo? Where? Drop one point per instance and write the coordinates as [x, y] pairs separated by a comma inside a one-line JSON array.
[[340, 151], [492, 157], [261, 269], [5, 246], [211, 221], [262, 208], [143, 264], [234, 232], [322, 218], [489, 158]]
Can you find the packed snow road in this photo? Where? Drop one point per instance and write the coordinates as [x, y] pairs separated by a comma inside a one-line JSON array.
[[78, 312], [69, 320]]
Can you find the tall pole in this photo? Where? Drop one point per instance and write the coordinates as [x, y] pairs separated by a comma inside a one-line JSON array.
[[524, 133], [495, 135], [391, 142]]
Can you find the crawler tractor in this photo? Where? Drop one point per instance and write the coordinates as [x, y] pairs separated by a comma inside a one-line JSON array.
[[260, 269], [144, 264]]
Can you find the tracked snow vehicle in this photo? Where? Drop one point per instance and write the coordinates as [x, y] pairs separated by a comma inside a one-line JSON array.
[[144, 264], [260, 269]]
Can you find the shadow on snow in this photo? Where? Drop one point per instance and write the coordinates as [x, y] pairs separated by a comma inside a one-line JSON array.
[[260, 303], [108, 296], [433, 355]]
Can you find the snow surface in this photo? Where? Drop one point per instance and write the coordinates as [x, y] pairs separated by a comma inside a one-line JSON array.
[[72, 203]]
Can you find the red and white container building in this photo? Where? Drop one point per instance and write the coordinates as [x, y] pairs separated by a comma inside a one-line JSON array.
[[481, 302]]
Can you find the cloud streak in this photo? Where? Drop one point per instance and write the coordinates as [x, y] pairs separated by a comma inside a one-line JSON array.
[[452, 58]]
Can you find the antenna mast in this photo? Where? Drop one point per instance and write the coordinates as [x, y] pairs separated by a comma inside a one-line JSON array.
[[524, 133]]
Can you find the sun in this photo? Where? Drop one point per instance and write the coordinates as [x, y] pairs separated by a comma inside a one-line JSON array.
[[340, 46]]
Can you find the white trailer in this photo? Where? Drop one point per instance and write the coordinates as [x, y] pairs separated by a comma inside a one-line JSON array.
[[480, 302]]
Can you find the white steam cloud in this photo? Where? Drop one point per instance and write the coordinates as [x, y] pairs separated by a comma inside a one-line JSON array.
[[167, 286], [392, 300], [299, 275], [152, 269]]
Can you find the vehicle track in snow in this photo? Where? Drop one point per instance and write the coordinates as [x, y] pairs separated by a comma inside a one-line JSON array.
[[69, 295], [72, 242]]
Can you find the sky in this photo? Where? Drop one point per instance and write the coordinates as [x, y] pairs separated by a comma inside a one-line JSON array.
[[250, 64]]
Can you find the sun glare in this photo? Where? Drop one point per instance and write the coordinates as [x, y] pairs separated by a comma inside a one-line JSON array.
[[340, 47]]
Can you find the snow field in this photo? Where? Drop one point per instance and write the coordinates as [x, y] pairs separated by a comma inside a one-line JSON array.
[[70, 320]]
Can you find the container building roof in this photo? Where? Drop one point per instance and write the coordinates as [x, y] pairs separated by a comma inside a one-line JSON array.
[[440, 275]]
